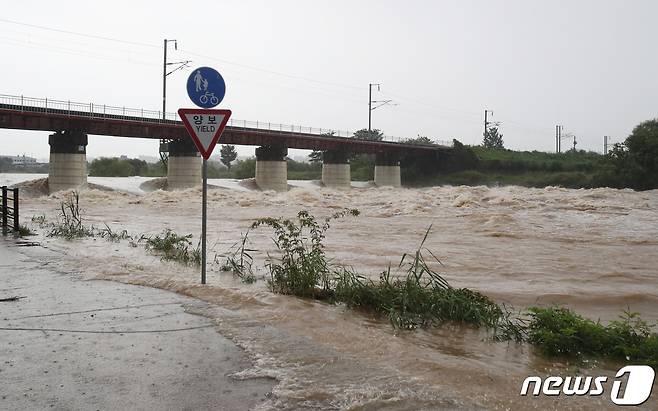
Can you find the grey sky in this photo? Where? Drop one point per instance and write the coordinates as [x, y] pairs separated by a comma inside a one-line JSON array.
[[589, 65]]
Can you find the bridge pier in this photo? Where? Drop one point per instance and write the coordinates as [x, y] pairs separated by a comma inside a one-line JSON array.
[[272, 168], [68, 160], [387, 170], [184, 165], [336, 169]]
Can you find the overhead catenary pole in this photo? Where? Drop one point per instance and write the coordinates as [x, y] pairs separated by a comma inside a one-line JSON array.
[[370, 103], [486, 121]]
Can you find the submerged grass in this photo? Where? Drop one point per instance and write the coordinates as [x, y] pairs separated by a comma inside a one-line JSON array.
[[240, 262], [174, 247], [70, 224], [422, 297], [559, 331], [303, 269]]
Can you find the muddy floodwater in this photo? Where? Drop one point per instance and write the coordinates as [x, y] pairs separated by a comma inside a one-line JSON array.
[[595, 251]]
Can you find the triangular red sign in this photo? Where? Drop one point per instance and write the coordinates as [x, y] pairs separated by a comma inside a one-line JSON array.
[[205, 126]]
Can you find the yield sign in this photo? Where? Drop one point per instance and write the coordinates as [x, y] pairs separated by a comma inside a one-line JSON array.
[[205, 127]]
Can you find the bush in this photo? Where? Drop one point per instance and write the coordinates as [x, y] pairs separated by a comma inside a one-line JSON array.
[[303, 269], [561, 332], [172, 246]]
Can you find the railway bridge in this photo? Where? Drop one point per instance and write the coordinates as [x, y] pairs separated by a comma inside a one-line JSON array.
[[70, 123]]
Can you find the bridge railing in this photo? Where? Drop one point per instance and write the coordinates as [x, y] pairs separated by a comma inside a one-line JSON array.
[[93, 110]]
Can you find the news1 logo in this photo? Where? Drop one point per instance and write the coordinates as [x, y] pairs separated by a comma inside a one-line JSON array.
[[637, 390]]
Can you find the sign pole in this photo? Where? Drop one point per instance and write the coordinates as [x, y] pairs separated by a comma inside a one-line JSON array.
[[204, 215]]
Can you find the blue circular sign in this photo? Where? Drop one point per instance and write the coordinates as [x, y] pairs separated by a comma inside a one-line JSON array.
[[206, 87]]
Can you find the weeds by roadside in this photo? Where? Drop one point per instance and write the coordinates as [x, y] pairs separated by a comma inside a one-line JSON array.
[[70, 224], [240, 261], [174, 247], [303, 269]]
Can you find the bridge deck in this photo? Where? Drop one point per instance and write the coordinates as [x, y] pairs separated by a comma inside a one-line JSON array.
[[37, 118]]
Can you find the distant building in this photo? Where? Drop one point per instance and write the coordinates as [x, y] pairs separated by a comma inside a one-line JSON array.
[[21, 160]]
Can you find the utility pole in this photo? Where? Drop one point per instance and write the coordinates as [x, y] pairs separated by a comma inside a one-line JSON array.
[[164, 144], [605, 145], [486, 121], [556, 140], [370, 101], [164, 77]]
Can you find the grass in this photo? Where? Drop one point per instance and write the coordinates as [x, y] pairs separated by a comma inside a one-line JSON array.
[[70, 224], [114, 236], [24, 231], [240, 261], [303, 269], [419, 298], [174, 247], [422, 297], [561, 332]]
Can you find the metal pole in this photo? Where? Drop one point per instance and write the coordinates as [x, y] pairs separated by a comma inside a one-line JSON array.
[[369, 106], [4, 209], [486, 123], [204, 212], [16, 218], [164, 82]]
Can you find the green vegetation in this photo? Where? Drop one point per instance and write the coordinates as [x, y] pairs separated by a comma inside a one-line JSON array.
[[124, 167], [227, 155], [174, 247], [633, 163], [24, 231], [70, 224], [240, 261], [303, 269], [492, 139], [422, 297], [561, 332]]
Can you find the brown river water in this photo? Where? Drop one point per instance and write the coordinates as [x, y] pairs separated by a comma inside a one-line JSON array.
[[595, 251]]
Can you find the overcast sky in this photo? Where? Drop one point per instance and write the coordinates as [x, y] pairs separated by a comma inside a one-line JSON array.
[[591, 66]]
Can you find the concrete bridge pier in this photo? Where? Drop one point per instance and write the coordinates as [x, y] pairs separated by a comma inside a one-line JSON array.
[[387, 170], [68, 160], [184, 165], [272, 168], [336, 169]]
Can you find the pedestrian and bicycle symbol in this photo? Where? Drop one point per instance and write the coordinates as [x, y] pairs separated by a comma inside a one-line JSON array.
[[206, 87]]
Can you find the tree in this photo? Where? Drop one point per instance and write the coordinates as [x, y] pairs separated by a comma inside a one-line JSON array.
[[364, 134], [227, 155], [315, 156], [492, 139], [633, 163]]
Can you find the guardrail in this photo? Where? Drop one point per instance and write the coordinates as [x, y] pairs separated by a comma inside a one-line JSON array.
[[92, 110], [10, 213]]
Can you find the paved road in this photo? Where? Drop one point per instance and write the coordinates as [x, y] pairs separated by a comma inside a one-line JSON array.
[[86, 345]]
